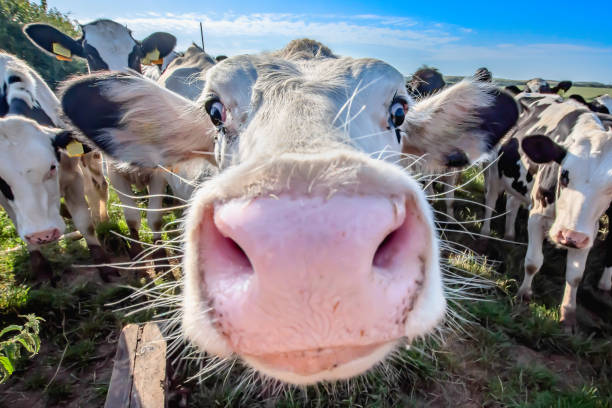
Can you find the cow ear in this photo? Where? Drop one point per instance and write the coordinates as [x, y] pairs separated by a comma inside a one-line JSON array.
[[542, 149], [460, 124], [134, 120], [160, 41], [53, 41], [66, 140], [563, 86]]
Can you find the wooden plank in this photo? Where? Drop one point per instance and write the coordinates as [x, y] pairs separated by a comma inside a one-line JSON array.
[[149, 388], [121, 380], [139, 373]]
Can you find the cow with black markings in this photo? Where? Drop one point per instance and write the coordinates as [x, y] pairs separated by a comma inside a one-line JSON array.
[[35, 171], [107, 45], [559, 162]]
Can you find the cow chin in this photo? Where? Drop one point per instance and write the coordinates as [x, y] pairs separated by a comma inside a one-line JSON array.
[[305, 368], [309, 287]]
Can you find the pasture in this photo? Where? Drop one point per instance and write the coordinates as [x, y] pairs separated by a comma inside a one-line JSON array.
[[494, 351]]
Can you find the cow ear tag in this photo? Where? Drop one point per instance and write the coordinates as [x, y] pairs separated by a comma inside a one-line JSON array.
[[151, 57], [75, 149], [61, 53]]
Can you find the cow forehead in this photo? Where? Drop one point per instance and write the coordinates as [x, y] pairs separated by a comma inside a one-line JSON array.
[[107, 28], [113, 42], [21, 138], [331, 77]]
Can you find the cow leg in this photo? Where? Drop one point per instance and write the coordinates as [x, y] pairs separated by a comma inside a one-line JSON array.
[[448, 190], [512, 209], [576, 260], [39, 265], [534, 257], [605, 282], [74, 195], [492, 192], [130, 210], [96, 186], [157, 187]]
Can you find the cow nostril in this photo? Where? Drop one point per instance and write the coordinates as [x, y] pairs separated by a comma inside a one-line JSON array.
[[236, 254], [386, 251]]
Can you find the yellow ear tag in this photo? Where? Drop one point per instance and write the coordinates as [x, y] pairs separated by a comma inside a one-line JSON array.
[[61, 53], [158, 61], [75, 149], [150, 57]]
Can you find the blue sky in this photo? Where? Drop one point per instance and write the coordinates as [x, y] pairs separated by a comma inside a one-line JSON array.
[[519, 40]]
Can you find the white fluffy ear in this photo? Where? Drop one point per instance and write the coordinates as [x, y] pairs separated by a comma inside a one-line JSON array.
[[134, 120], [460, 124]]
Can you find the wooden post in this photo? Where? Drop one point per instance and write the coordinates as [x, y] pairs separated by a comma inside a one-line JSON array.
[[139, 373]]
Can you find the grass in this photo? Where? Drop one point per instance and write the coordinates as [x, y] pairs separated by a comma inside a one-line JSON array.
[[506, 354], [588, 93]]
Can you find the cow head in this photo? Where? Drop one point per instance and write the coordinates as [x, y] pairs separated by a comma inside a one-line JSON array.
[[579, 181], [539, 85], [311, 255], [29, 184], [424, 82], [483, 74], [105, 44]]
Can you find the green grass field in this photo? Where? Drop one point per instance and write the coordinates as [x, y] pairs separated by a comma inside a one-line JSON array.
[[586, 92], [495, 351]]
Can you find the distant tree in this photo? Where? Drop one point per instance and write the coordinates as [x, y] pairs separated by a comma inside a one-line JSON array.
[[13, 15]]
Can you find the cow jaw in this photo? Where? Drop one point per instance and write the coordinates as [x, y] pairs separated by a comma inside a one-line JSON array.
[[307, 288]]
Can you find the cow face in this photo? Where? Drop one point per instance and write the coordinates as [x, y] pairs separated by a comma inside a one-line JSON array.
[[29, 181], [582, 175], [311, 255], [105, 44], [539, 85]]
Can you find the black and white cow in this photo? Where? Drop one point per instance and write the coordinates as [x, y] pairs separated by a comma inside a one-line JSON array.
[[539, 85], [595, 106], [425, 82], [34, 171], [155, 70], [311, 255], [185, 76], [483, 74], [107, 45], [565, 174], [605, 100]]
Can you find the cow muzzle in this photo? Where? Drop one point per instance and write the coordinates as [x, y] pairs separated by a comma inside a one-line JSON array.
[[572, 239], [43, 237], [311, 285]]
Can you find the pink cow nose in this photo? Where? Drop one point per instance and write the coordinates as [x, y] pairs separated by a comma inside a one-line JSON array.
[[307, 284], [43, 237], [572, 239]]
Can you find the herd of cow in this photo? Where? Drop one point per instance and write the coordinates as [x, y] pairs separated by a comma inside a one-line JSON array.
[[310, 251]]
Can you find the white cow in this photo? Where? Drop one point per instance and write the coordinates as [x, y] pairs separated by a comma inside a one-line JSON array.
[[572, 189], [311, 255], [605, 100], [107, 45], [34, 173]]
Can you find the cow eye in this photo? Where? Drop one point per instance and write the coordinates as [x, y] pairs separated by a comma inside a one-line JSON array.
[[215, 110], [398, 110], [53, 167], [565, 178]]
